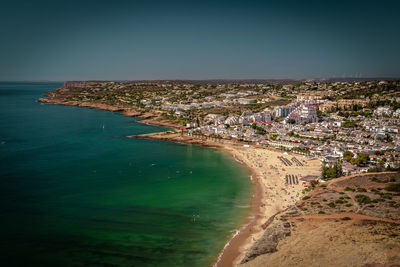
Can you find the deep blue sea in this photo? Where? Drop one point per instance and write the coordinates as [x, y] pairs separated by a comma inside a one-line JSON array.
[[74, 190]]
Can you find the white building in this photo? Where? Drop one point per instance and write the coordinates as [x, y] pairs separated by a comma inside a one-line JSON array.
[[282, 111], [232, 120], [245, 101], [303, 114], [214, 118], [383, 111], [396, 114]]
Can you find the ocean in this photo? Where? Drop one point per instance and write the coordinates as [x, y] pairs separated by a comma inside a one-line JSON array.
[[74, 190]]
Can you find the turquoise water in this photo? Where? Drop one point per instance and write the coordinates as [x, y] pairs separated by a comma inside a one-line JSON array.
[[75, 191]]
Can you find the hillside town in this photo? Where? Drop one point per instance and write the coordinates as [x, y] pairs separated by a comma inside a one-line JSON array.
[[350, 126]]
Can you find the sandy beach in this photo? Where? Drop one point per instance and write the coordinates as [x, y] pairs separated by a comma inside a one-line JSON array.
[[274, 191], [269, 169]]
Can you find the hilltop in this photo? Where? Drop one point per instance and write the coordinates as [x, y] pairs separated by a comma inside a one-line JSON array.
[[351, 221]]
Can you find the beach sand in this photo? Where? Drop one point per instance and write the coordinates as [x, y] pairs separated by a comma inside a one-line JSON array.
[[271, 193]]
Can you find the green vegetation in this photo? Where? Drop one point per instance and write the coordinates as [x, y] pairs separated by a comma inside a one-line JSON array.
[[332, 172], [331, 205], [393, 188], [301, 150], [377, 200], [321, 212], [259, 129], [305, 198], [360, 189], [350, 124], [376, 180], [361, 159], [348, 205], [363, 199], [273, 137], [348, 155], [349, 189], [345, 218]]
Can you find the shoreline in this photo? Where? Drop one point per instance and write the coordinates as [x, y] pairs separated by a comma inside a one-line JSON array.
[[233, 251], [268, 199], [262, 210], [150, 117]]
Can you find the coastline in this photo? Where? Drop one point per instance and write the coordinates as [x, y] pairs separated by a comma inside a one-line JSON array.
[[150, 117], [233, 250], [267, 198], [270, 195]]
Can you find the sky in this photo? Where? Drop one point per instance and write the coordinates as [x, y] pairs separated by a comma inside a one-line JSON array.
[[135, 40]]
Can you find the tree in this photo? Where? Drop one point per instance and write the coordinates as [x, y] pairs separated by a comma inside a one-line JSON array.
[[332, 172], [361, 159], [348, 155]]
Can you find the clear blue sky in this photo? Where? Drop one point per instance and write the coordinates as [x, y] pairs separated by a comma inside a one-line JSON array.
[[114, 40]]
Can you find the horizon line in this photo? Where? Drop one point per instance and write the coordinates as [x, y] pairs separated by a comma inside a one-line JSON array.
[[210, 79]]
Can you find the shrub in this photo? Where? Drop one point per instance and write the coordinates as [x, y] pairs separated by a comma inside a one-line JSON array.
[[377, 200], [288, 234], [331, 205], [321, 212], [393, 188], [305, 198], [342, 193], [349, 189], [361, 189], [387, 196], [304, 209], [346, 219], [363, 199], [349, 205], [376, 180], [339, 201]]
